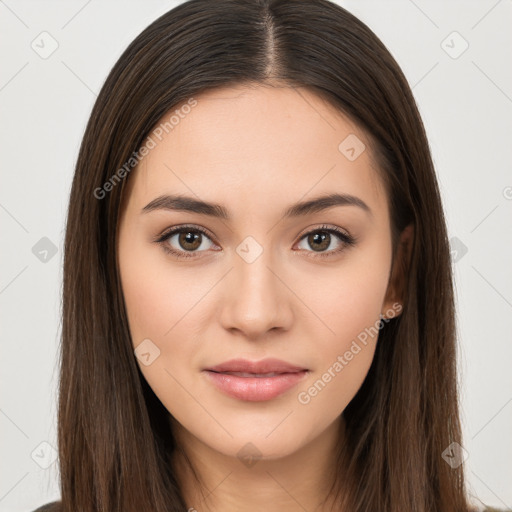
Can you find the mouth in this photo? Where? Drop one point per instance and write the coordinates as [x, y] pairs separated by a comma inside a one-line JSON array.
[[255, 382]]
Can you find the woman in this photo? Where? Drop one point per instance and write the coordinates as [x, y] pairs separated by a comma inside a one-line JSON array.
[[257, 306]]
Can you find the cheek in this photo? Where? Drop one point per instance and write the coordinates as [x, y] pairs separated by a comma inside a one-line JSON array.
[[159, 296], [160, 302], [348, 299], [163, 301]]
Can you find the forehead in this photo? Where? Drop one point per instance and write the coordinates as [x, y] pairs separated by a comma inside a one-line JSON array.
[[257, 143]]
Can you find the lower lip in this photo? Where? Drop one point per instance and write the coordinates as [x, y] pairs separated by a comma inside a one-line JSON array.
[[255, 389]]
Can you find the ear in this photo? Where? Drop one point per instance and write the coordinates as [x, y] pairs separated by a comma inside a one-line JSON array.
[[398, 277]]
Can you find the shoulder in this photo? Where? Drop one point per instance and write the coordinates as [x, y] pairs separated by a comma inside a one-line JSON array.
[[54, 506]]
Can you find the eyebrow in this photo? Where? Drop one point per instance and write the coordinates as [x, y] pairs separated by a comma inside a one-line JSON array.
[[191, 204]]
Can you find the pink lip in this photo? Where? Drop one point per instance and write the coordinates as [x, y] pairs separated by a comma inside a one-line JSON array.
[[255, 388]]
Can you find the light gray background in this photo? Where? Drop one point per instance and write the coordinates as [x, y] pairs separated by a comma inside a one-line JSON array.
[[466, 104]]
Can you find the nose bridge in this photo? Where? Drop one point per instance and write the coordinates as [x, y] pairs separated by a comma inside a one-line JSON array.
[[256, 300]]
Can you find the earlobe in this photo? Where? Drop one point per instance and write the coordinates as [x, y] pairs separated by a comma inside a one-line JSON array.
[[393, 311], [399, 274]]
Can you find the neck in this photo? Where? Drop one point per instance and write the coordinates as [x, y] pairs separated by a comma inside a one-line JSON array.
[[299, 481]]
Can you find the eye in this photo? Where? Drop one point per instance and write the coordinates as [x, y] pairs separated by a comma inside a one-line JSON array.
[[185, 241], [321, 239]]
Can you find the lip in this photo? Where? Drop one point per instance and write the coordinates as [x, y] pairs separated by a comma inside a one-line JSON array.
[[255, 389]]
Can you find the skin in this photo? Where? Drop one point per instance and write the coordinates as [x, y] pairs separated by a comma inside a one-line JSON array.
[[256, 150]]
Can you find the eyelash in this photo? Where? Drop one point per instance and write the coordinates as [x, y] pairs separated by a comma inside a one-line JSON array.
[[346, 239]]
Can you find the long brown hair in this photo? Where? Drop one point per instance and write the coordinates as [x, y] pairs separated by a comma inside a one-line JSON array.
[[113, 434]]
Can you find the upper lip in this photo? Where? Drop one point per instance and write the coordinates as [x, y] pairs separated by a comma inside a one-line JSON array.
[[264, 366]]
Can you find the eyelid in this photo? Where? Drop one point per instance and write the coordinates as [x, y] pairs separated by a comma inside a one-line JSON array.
[[182, 227], [326, 227]]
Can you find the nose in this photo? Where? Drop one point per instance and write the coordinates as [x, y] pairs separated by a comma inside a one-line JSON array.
[[256, 298]]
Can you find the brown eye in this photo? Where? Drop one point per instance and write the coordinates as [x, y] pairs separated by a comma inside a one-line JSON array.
[[185, 241], [322, 238]]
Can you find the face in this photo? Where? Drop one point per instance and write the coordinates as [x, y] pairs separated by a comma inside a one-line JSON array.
[[304, 285]]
